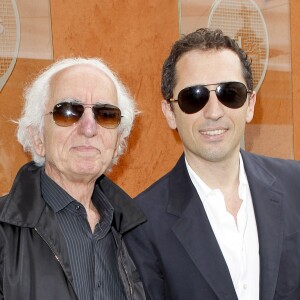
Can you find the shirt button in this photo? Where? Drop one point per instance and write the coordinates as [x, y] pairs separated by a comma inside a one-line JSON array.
[[99, 284], [77, 207], [244, 286]]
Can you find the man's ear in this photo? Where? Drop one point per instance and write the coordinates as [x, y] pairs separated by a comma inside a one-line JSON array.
[[117, 147], [169, 114], [37, 141], [250, 108]]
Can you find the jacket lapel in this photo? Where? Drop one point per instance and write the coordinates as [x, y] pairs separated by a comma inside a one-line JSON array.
[[194, 232], [49, 230], [267, 198], [127, 214]]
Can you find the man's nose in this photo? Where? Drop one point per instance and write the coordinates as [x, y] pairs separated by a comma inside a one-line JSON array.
[[88, 125], [213, 109]]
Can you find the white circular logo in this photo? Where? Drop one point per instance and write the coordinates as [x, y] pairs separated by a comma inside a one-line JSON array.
[[9, 39], [243, 21]]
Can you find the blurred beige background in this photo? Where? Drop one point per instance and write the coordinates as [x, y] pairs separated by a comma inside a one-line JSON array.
[[134, 37]]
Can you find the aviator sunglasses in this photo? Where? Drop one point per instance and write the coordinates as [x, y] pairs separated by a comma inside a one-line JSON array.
[[68, 113], [231, 94]]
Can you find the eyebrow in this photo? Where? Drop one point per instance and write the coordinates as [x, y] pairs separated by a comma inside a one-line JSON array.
[[69, 100], [76, 101]]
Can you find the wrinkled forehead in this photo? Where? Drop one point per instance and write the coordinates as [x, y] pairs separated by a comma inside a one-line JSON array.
[[77, 72], [84, 83]]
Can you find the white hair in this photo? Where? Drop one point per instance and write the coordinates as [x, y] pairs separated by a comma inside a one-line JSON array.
[[36, 96]]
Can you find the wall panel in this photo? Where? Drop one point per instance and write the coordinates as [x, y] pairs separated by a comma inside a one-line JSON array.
[[133, 37]]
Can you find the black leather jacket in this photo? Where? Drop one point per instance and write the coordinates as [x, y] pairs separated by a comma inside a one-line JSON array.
[[34, 262]]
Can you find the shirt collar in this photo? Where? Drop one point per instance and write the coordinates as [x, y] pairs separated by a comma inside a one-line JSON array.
[[243, 180], [206, 190], [57, 198]]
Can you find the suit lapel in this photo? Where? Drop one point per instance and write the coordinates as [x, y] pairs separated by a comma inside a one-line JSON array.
[[267, 197], [194, 232]]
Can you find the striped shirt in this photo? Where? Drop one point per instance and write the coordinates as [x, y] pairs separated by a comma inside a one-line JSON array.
[[92, 255]]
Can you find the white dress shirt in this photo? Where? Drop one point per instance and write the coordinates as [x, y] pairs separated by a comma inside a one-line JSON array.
[[238, 240]]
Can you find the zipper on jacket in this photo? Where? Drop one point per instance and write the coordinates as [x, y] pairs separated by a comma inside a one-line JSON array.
[[126, 274], [120, 256], [56, 257]]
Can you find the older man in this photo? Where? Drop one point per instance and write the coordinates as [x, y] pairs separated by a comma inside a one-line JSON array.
[[61, 225]]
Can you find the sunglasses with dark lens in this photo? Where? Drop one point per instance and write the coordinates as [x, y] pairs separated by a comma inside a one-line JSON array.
[[231, 94], [68, 113]]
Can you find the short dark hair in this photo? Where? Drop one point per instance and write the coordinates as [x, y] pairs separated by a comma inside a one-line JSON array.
[[203, 39]]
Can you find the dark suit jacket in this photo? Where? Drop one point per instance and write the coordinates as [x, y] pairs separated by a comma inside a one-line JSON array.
[[178, 255]]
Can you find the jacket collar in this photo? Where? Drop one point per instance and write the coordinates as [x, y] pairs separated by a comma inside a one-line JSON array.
[[127, 214], [24, 205]]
